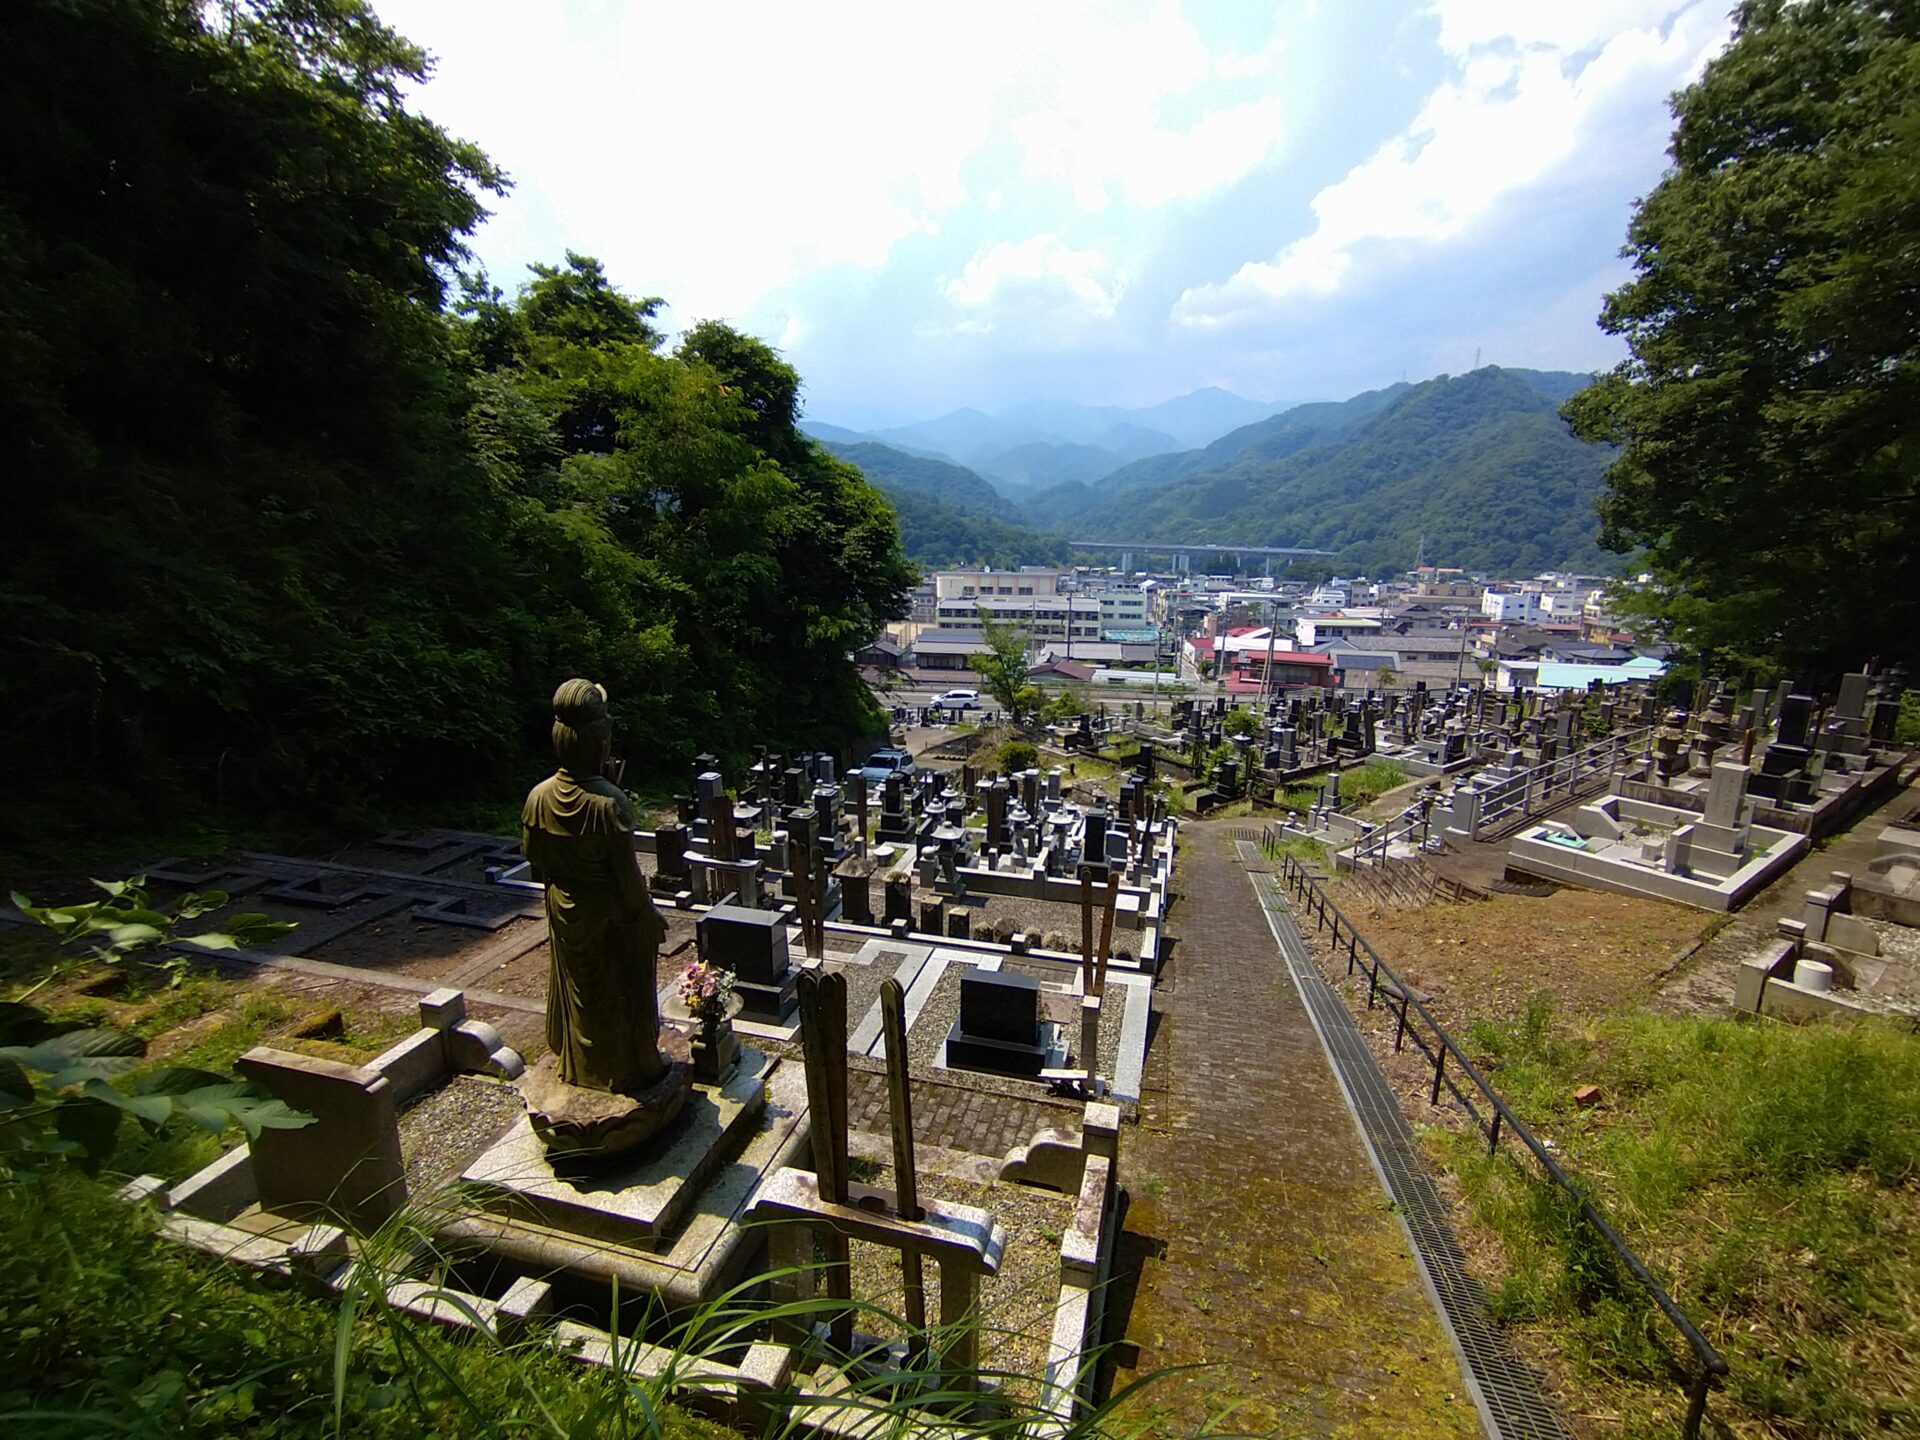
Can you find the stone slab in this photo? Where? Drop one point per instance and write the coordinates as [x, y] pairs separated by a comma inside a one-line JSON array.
[[1131, 1062], [638, 1204]]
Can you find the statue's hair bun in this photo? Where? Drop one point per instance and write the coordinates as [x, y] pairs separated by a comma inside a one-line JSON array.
[[579, 703]]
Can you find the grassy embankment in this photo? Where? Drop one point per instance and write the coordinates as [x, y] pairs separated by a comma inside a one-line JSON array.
[[1766, 1172]]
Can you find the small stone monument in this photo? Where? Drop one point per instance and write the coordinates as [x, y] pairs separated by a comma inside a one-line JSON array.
[[753, 945]]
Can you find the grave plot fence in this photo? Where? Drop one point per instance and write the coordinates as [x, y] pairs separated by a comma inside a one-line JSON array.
[[1372, 849], [1506, 804], [1490, 1114]]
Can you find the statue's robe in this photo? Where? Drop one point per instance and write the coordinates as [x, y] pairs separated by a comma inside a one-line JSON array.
[[603, 1021]]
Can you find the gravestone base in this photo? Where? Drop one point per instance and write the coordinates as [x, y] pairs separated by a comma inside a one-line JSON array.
[[773, 1004], [636, 1202], [1005, 1057]]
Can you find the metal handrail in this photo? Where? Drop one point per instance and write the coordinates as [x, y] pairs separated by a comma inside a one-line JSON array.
[[1516, 795], [1308, 890]]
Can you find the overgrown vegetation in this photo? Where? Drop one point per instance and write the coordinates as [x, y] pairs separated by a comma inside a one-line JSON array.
[[1766, 1173], [303, 519]]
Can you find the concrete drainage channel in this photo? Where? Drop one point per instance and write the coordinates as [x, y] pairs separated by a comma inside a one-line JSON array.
[[1505, 1389]]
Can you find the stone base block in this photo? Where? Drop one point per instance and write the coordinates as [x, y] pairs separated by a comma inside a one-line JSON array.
[[769, 1004], [1004, 1057], [582, 1127]]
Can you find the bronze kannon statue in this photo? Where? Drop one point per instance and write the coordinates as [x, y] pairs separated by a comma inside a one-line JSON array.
[[603, 1019]]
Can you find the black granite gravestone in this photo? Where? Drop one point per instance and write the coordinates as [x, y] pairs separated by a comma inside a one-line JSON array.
[[753, 945], [999, 1028]]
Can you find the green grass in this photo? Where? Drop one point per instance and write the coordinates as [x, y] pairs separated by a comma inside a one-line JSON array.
[[1366, 783], [1302, 848], [109, 1330], [1767, 1173]]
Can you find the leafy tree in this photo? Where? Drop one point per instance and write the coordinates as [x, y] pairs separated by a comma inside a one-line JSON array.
[[243, 555], [1238, 721], [302, 518], [1769, 413], [1003, 670]]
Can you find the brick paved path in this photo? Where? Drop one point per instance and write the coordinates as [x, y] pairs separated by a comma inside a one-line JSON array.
[[1262, 1242], [956, 1117]]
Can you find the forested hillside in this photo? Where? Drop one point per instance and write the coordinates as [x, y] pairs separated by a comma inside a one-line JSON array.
[[948, 514], [954, 486], [299, 520], [1481, 465]]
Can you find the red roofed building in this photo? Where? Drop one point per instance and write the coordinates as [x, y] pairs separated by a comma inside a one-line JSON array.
[[1240, 659]]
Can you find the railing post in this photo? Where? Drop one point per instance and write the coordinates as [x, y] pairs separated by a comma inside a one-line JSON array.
[[1400, 1025], [1439, 1068], [1493, 1132], [1697, 1403], [1373, 982]]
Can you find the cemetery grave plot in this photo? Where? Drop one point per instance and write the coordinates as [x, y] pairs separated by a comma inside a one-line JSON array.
[[423, 948], [1015, 1306]]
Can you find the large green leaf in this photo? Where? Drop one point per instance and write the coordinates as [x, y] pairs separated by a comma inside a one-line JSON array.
[[151, 1110], [90, 1124], [25, 1024], [16, 1090], [215, 1107]]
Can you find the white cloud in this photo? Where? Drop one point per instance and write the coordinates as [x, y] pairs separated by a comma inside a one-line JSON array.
[[1519, 108], [1105, 129], [713, 154], [1041, 273]]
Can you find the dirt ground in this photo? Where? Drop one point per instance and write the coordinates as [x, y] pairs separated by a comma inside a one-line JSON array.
[[1590, 953]]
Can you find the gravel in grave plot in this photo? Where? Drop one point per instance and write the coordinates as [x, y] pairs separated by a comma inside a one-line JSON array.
[[863, 985], [446, 1129], [1049, 924], [942, 1010], [1016, 1305]]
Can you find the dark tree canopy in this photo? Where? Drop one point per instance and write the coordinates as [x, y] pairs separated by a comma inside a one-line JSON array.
[[1769, 415], [301, 518]]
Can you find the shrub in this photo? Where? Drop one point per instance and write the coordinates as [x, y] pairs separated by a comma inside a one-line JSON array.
[[1015, 756]]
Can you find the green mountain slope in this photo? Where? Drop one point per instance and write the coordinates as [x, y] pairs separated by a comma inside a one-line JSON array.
[[954, 486], [948, 514], [1481, 465]]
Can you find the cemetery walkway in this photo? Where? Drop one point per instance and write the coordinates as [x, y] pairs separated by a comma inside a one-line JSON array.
[[1259, 1242]]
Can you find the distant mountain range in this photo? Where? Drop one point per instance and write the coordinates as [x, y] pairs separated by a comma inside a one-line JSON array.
[[1041, 444], [1479, 466]]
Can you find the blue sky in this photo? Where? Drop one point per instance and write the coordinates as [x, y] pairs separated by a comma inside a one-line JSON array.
[[930, 206]]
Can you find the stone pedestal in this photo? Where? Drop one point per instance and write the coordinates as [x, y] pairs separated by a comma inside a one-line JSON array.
[[580, 1127], [716, 1050], [638, 1200]]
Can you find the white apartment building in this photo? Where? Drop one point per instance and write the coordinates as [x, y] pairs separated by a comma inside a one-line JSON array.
[[1313, 631], [999, 584], [1513, 607], [1049, 618], [1123, 609]]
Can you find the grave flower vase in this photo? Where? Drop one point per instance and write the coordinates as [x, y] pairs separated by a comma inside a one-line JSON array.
[[716, 1049]]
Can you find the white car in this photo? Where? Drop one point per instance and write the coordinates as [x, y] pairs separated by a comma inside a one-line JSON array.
[[958, 700]]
